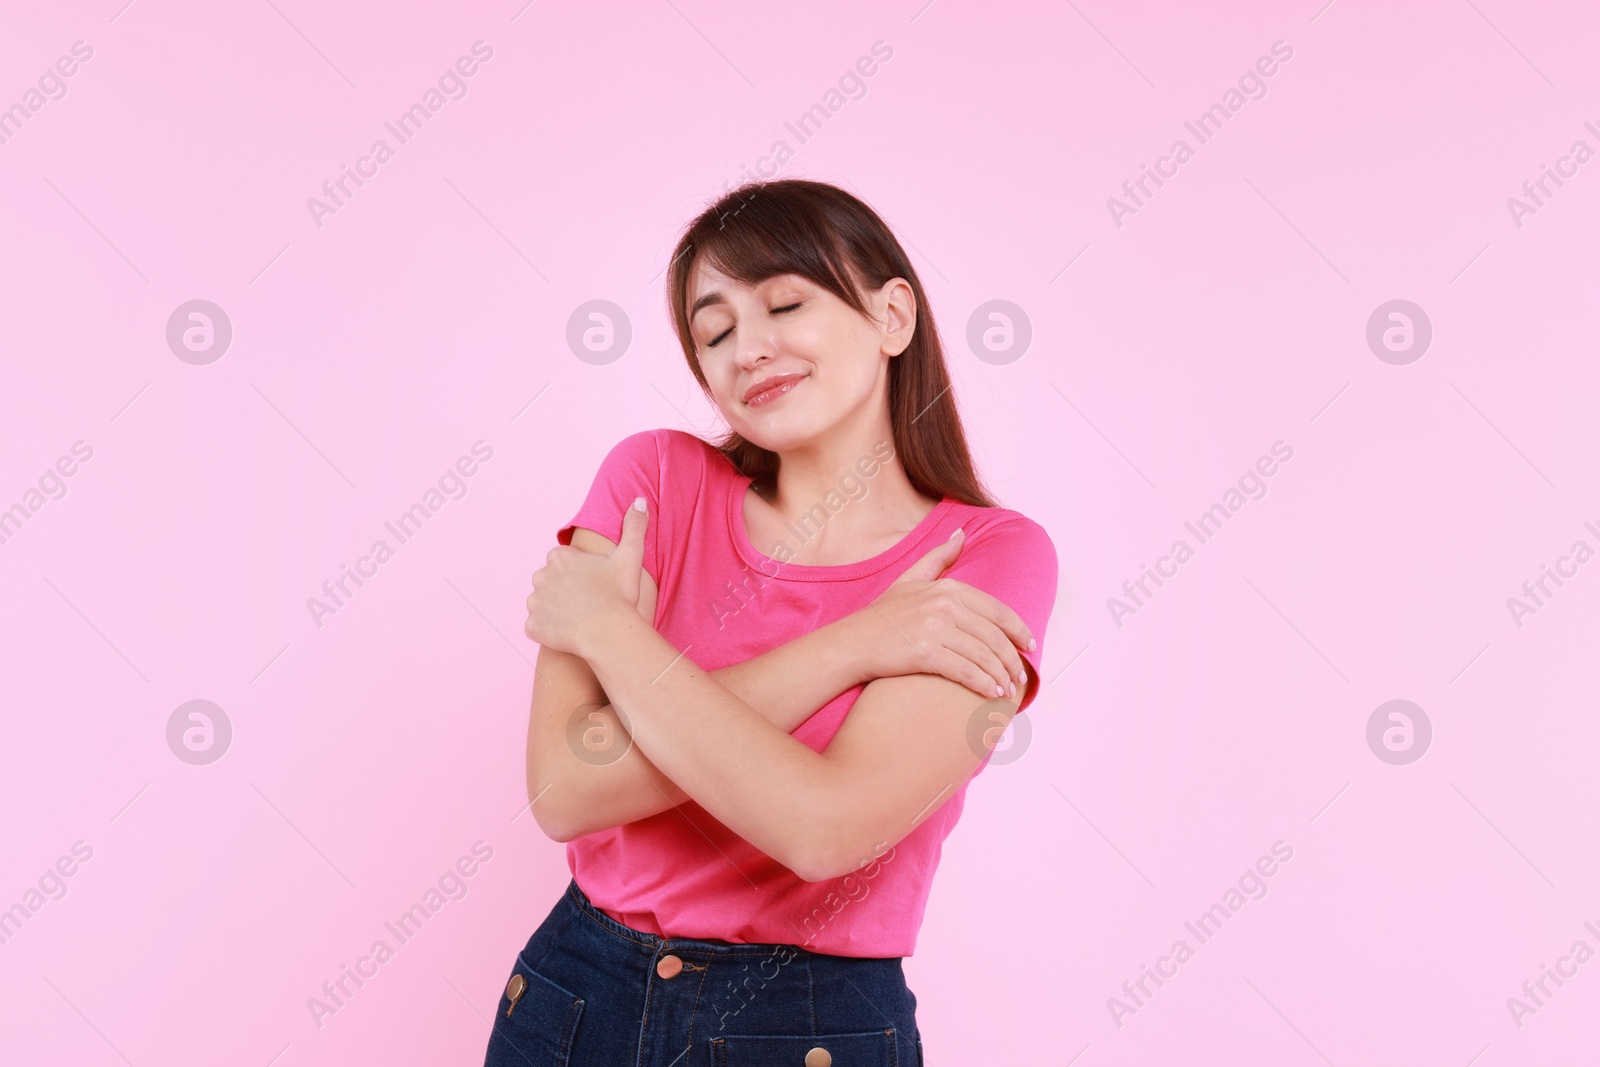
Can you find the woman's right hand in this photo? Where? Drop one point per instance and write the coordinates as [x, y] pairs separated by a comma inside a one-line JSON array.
[[925, 624]]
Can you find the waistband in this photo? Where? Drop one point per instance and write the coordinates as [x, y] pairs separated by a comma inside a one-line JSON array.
[[576, 900]]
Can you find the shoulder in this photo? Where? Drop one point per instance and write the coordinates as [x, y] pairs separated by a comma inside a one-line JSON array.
[[1010, 557], [642, 443], [682, 443], [1005, 535], [667, 463], [665, 442], [662, 446], [688, 460]]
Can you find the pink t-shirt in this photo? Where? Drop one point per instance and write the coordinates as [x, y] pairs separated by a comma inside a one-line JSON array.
[[682, 873]]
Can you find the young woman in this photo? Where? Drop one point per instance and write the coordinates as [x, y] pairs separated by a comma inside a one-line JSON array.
[[769, 668]]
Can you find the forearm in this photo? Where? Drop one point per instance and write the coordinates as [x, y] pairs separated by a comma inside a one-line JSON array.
[[788, 684], [583, 788], [737, 764]]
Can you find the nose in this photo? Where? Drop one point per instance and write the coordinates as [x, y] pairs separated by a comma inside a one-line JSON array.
[[754, 344]]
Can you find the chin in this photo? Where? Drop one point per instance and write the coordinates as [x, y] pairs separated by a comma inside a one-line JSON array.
[[780, 441], [787, 428]]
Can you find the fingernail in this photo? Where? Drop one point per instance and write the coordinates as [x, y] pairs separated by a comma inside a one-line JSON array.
[[1013, 691], [638, 503], [999, 692], [1032, 644], [955, 534]]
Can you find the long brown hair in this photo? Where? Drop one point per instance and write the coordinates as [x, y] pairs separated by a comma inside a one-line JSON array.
[[824, 234]]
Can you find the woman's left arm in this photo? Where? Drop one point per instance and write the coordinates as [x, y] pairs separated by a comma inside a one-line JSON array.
[[902, 750]]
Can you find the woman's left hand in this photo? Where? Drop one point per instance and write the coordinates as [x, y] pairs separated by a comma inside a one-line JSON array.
[[576, 594]]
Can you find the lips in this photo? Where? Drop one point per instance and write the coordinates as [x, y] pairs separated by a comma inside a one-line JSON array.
[[770, 388]]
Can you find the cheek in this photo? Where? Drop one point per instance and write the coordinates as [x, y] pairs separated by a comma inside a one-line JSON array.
[[722, 378], [711, 368], [858, 377], [722, 386]]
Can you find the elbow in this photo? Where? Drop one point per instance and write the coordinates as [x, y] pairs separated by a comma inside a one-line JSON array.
[[554, 829], [825, 865], [818, 873], [831, 839], [842, 853], [556, 824], [824, 856], [809, 869]]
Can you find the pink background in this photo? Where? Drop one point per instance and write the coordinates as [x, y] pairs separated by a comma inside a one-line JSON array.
[[1166, 754]]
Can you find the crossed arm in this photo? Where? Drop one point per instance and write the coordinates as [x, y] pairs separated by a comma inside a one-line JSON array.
[[722, 739], [584, 772]]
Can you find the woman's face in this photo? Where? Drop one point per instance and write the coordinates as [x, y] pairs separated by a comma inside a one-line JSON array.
[[787, 360]]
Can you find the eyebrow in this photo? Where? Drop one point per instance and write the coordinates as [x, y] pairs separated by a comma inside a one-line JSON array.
[[705, 302]]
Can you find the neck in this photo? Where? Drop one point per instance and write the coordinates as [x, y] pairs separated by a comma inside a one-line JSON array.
[[847, 483]]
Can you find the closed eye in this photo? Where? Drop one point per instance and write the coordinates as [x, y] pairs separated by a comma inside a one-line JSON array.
[[776, 311]]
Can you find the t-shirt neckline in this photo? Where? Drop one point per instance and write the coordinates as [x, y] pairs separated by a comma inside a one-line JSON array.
[[738, 486]]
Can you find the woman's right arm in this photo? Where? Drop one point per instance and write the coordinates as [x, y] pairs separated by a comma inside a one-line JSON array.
[[585, 774]]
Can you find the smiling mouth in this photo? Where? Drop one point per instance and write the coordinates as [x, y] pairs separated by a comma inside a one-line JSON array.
[[772, 390]]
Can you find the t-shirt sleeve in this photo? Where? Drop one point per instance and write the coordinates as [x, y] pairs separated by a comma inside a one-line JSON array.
[[1014, 561], [631, 469]]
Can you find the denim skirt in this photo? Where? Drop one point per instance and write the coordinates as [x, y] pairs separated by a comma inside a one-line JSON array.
[[588, 991]]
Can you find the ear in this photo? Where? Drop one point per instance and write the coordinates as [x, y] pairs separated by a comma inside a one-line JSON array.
[[897, 315]]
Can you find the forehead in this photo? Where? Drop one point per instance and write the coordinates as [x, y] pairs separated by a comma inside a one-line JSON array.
[[708, 286]]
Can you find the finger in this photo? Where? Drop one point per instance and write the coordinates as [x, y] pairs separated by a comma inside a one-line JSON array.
[[983, 616], [988, 669], [634, 521], [998, 643], [996, 611], [958, 668], [935, 560]]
